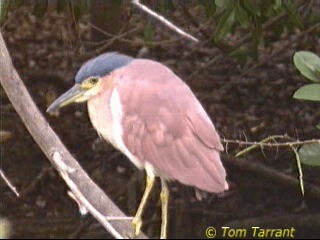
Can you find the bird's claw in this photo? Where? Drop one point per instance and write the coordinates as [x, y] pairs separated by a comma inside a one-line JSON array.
[[137, 224]]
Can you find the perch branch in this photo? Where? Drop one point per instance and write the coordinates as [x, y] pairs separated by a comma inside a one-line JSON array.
[[163, 20], [87, 193], [10, 185]]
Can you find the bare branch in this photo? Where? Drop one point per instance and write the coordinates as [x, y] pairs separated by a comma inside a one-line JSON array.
[[10, 185], [272, 145], [163, 20], [87, 193]]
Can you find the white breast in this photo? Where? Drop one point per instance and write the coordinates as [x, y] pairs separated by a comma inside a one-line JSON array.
[[112, 131], [100, 116]]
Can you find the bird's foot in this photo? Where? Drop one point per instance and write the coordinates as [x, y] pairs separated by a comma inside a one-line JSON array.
[[136, 224]]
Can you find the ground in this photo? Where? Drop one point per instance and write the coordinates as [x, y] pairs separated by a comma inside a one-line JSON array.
[[251, 106]]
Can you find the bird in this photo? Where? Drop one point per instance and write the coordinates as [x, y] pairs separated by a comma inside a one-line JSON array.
[[142, 108]]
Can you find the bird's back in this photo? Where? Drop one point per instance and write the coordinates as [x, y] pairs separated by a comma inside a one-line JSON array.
[[165, 126]]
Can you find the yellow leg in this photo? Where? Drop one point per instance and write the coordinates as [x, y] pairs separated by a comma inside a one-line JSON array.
[[164, 196], [137, 221]]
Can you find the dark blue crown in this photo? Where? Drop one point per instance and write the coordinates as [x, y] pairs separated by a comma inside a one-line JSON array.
[[102, 65]]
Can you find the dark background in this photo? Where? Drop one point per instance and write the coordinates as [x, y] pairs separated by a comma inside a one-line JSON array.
[[246, 99]]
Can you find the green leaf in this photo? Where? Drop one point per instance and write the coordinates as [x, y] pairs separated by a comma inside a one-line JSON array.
[[277, 4], [4, 4], [308, 64], [224, 3], [242, 17], [241, 54], [310, 154], [210, 9], [61, 5], [252, 6], [80, 7], [294, 14], [318, 126], [77, 12], [165, 6], [309, 92], [148, 33], [224, 25], [40, 8]]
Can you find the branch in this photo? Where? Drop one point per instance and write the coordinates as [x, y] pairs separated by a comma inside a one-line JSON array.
[[271, 145], [10, 185], [89, 196], [163, 20]]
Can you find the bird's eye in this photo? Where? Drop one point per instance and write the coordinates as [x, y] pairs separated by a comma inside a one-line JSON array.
[[93, 80]]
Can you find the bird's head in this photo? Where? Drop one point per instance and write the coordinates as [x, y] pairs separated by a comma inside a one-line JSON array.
[[89, 79]]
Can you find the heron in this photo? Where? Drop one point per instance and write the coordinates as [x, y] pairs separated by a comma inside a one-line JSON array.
[[148, 113]]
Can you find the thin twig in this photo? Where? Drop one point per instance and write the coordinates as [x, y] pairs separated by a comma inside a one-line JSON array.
[[299, 169], [120, 38], [211, 62], [268, 139], [10, 185], [163, 20], [266, 144]]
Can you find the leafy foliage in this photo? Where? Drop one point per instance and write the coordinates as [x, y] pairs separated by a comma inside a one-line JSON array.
[[250, 14], [244, 17], [254, 19], [40, 7], [3, 9], [308, 64]]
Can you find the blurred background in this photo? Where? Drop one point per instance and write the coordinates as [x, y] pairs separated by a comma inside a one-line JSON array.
[[241, 70]]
